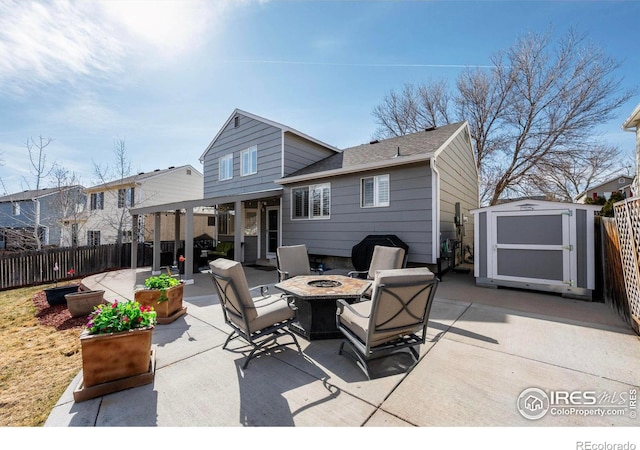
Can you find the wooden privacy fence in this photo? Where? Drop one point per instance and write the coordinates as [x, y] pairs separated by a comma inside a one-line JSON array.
[[37, 267], [627, 216]]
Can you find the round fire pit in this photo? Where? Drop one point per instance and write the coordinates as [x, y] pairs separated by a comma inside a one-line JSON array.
[[324, 283]]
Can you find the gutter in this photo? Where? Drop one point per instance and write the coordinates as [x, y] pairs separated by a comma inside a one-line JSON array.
[[435, 213]]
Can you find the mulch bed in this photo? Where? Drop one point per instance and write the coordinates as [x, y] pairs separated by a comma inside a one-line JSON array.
[[57, 316]]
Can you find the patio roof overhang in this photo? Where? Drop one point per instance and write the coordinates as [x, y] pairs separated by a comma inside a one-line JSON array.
[[211, 201]]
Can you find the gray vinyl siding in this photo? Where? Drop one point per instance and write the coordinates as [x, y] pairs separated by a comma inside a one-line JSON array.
[[300, 153], [458, 183], [408, 215], [234, 140]]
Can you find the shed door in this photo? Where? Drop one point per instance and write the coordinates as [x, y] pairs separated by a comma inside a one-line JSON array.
[[533, 246]]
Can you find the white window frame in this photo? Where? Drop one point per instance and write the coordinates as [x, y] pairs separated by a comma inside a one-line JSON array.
[[378, 200], [249, 161], [319, 195], [15, 209], [225, 167]]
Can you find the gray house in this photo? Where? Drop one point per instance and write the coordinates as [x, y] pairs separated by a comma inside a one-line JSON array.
[[419, 187], [272, 185], [20, 212]]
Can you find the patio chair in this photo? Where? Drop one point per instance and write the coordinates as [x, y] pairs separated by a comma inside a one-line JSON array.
[[258, 320], [395, 318], [383, 258], [291, 261]]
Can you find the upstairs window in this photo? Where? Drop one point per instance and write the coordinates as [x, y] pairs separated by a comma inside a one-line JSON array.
[[249, 161], [311, 202], [226, 167], [126, 197], [15, 209], [97, 200], [374, 191]]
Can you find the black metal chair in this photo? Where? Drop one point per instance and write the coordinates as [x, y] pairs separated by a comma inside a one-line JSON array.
[[395, 318], [257, 320]]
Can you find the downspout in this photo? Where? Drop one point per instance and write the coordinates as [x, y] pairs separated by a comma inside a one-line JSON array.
[[435, 210]]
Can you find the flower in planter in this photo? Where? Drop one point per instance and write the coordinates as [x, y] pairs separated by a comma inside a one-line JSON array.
[[71, 272], [161, 282], [120, 316]]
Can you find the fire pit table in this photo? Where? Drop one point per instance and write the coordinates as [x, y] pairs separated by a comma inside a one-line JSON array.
[[315, 298]]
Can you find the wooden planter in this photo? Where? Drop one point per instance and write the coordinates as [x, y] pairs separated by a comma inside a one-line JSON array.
[[168, 310], [81, 303], [56, 295], [115, 361]]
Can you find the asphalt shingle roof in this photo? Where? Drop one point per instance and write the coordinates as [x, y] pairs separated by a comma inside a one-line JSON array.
[[423, 142]]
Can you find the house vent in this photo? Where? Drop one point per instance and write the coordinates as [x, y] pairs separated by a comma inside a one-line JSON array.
[[375, 141], [188, 171], [429, 128], [172, 167], [157, 170], [236, 121], [141, 173], [397, 153]]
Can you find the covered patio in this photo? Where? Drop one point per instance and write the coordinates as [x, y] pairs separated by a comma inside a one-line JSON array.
[[250, 221]]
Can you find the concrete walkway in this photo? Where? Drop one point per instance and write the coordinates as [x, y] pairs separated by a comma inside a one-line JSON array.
[[486, 346]]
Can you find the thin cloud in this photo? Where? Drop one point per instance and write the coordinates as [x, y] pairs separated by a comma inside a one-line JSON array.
[[48, 44], [354, 64]]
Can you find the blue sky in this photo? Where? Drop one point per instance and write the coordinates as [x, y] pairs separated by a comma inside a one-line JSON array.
[[166, 75]]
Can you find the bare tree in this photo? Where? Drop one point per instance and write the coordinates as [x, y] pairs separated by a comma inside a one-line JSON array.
[[40, 170], [536, 108], [120, 170], [70, 204]]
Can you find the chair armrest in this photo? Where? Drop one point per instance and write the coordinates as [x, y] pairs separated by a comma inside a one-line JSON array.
[[291, 301], [357, 273], [282, 275], [264, 289], [342, 304]]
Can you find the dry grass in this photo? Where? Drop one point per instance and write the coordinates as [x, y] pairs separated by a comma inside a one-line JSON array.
[[37, 362]]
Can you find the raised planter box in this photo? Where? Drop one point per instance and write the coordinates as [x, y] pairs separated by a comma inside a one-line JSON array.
[[115, 361], [81, 303], [168, 310]]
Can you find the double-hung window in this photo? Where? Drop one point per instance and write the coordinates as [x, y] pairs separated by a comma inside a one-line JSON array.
[[125, 197], [225, 167], [374, 191], [311, 202], [249, 161], [97, 200]]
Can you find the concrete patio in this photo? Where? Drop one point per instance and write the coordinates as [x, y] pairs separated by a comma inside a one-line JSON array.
[[485, 347]]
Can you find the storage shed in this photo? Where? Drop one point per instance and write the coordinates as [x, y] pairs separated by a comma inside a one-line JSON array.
[[540, 245]]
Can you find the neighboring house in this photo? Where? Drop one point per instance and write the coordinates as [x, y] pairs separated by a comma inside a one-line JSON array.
[[107, 205], [620, 183], [272, 185], [20, 212], [631, 124]]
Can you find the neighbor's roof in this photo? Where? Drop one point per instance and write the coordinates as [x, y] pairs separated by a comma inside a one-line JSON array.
[[284, 128], [610, 180], [142, 176], [34, 194], [405, 149]]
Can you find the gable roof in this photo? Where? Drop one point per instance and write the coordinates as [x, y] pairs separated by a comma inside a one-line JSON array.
[[33, 194], [414, 147], [140, 177], [284, 128]]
